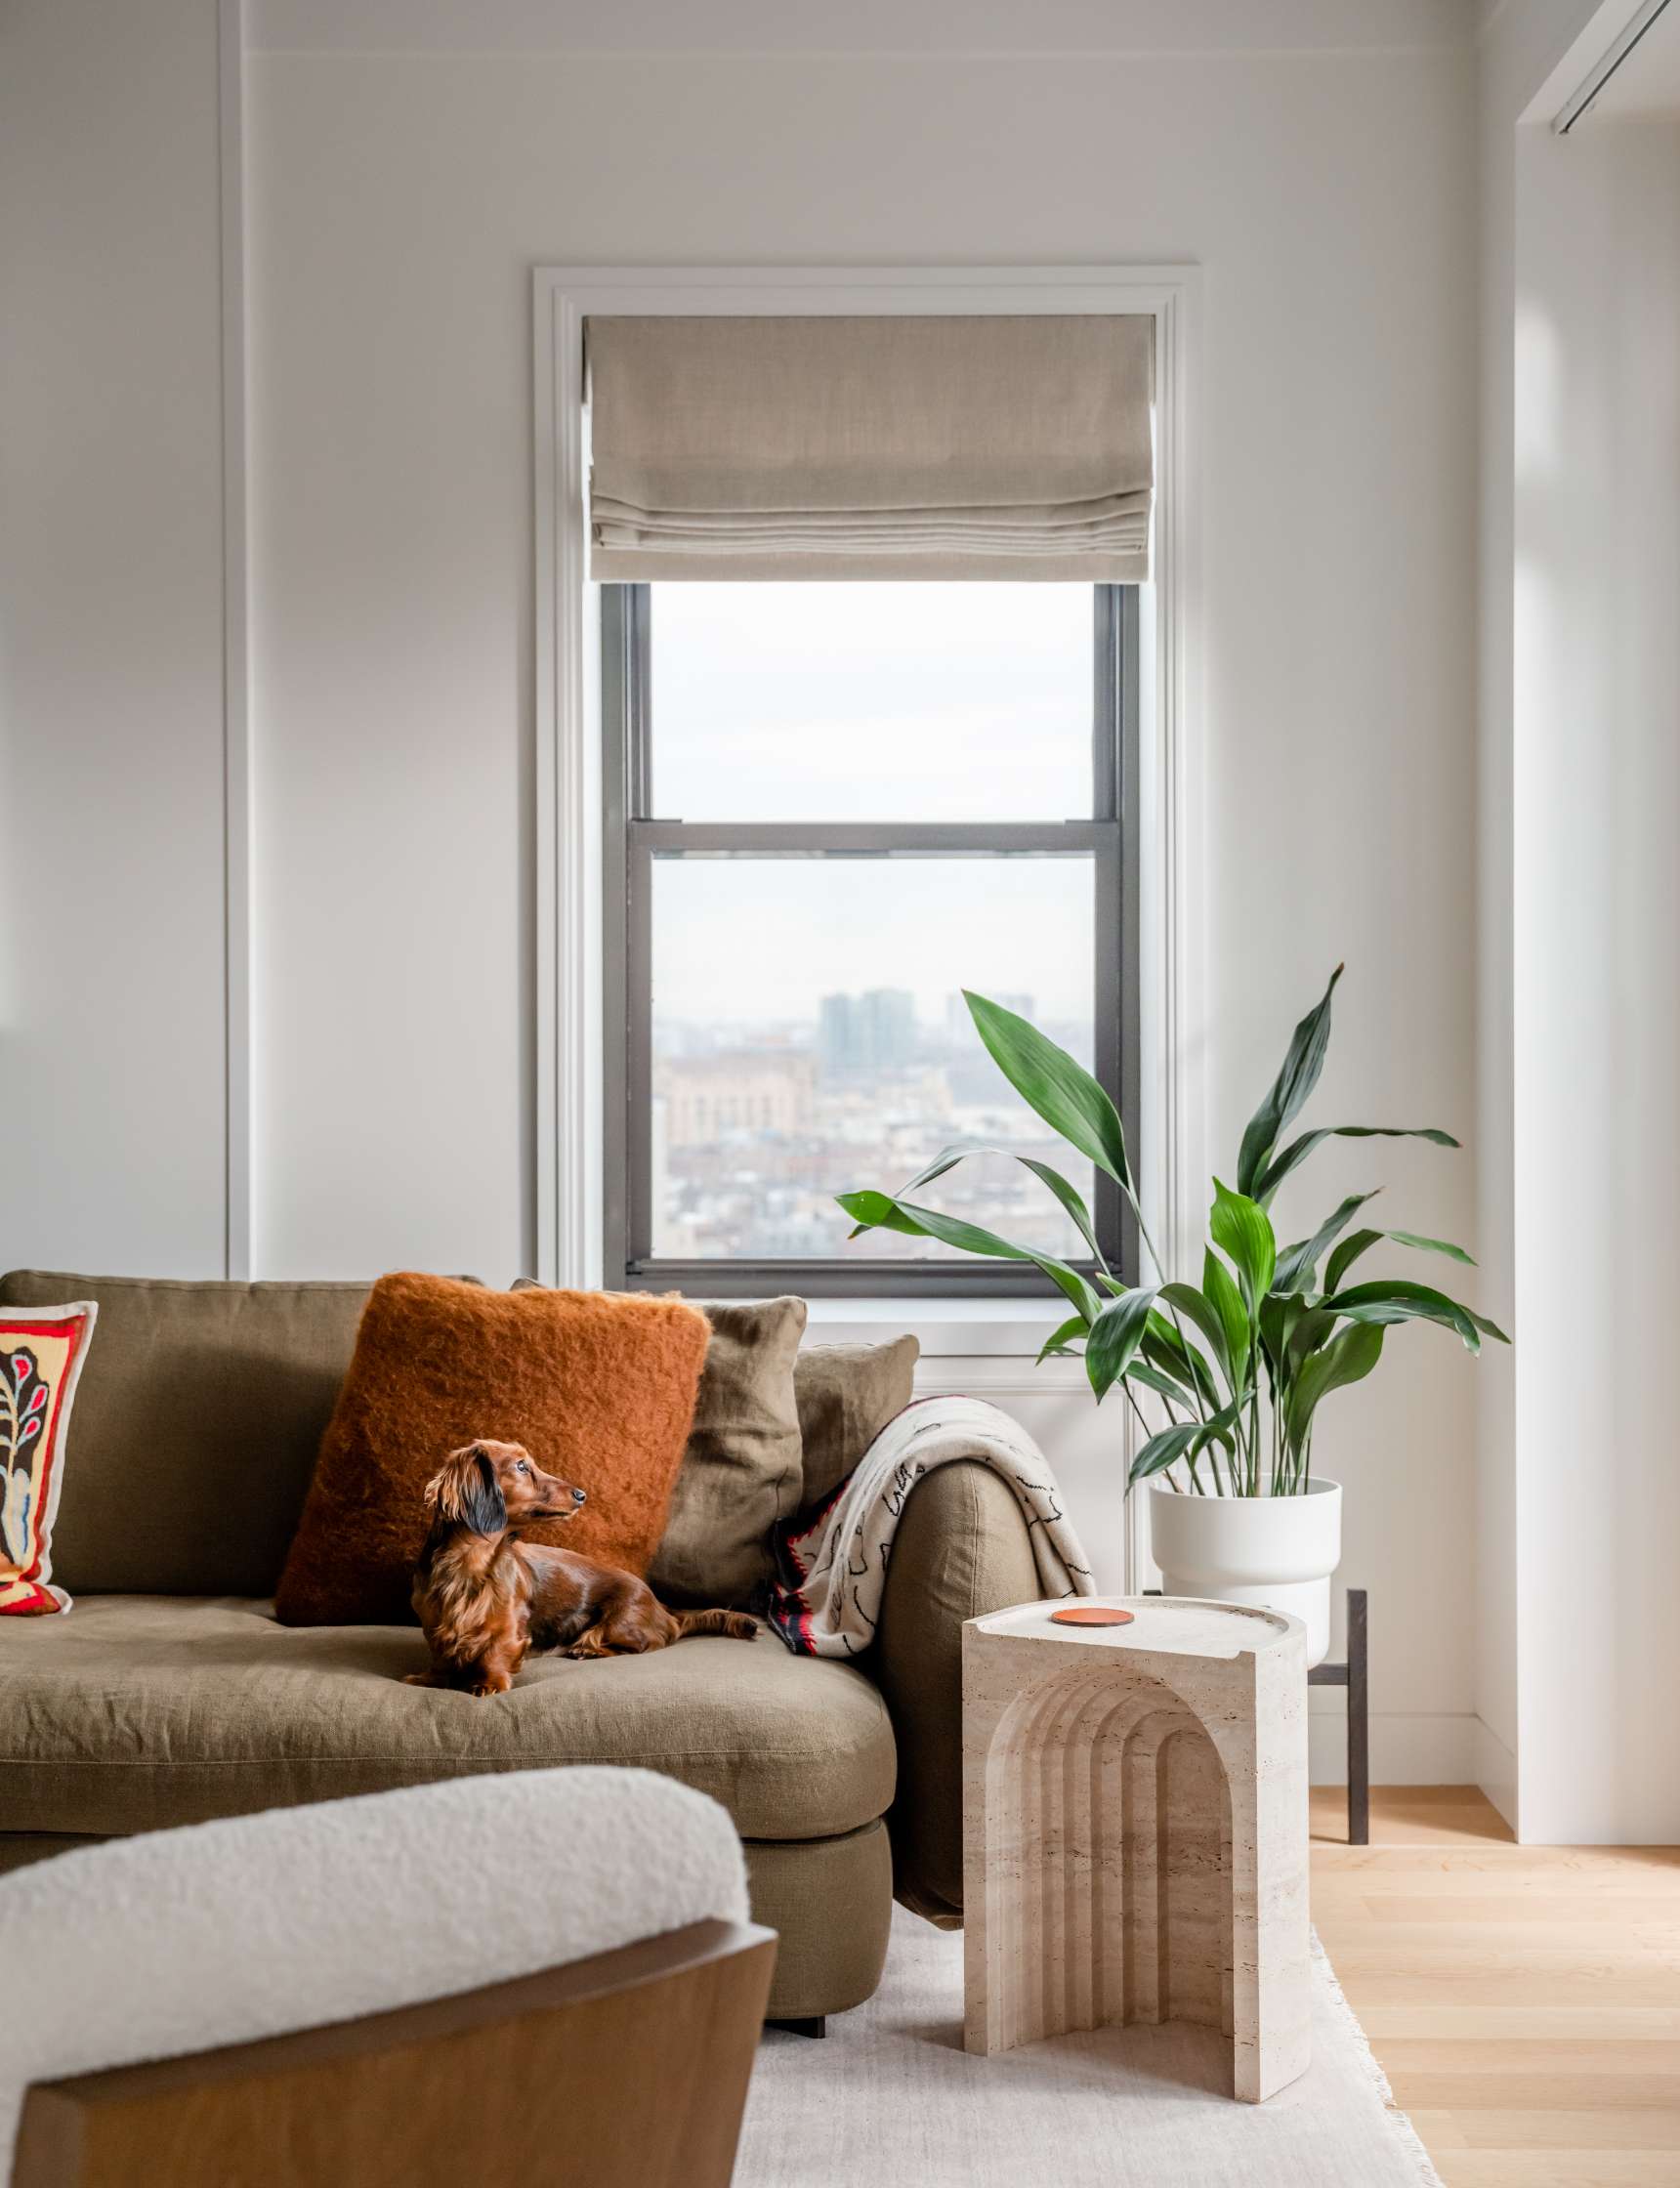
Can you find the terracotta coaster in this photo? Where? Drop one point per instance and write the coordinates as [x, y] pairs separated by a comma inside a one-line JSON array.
[[1090, 1614]]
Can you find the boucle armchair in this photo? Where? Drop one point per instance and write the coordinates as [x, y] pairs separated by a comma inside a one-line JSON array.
[[486, 1980]]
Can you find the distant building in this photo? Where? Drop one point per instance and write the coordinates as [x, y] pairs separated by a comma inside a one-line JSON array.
[[738, 1090], [959, 1026], [861, 1034]]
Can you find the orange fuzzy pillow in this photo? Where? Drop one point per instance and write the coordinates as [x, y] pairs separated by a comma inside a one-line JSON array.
[[600, 1386]]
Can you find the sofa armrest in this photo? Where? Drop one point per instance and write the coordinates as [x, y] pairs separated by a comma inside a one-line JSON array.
[[961, 1550]]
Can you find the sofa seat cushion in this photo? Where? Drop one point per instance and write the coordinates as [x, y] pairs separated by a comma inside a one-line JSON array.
[[137, 1712]]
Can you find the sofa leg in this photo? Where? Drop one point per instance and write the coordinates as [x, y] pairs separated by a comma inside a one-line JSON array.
[[816, 2024]]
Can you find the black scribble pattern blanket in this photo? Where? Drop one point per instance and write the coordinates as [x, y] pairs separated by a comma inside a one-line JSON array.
[[831, 1563]]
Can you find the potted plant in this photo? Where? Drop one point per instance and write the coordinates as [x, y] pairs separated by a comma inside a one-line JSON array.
[[1225, 1377]]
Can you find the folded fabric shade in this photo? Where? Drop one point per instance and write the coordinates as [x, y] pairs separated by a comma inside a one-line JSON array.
[[991, 447]]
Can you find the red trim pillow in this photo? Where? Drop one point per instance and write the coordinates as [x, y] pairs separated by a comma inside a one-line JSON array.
[[41, 1355]]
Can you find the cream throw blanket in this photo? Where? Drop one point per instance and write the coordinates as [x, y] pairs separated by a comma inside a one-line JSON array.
[[832, 1564]]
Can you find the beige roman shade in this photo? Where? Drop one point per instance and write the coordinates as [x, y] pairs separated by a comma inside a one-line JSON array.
[[885, 447]]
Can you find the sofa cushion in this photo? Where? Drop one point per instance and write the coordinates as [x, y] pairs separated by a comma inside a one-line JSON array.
[[199, 1415], [846, 1395], [743, 1470], [599, 1385], [137, 1712]]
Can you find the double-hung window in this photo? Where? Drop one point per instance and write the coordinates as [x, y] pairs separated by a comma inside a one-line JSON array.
[[832, 809]]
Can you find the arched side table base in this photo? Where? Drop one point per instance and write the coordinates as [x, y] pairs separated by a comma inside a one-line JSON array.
[[1135, 1829]]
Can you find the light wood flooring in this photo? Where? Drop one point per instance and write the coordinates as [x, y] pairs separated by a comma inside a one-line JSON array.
[[1523, 2001]]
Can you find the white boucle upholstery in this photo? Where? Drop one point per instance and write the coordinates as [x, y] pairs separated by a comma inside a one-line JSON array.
[[255, 1925]]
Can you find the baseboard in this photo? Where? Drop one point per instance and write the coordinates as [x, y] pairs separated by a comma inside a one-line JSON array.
[[1406, 1749], [1495, 1770]]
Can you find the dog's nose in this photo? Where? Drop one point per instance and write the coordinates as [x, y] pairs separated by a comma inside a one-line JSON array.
[[578, 1497]]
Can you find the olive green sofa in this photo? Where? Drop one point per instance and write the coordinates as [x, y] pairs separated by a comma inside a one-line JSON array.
[[170, 1694]]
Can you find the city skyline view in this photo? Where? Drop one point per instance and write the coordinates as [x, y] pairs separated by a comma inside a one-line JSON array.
[[756, 1127]]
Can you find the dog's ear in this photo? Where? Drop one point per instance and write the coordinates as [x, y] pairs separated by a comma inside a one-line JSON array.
[[465, 1492]]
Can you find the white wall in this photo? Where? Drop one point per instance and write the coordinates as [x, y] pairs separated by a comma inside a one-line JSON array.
[[111, 1024], [1596, 795], [1316, 161], [1580, 466]]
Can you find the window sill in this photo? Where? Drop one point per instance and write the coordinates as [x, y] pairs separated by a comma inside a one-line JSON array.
[[948, 1329]]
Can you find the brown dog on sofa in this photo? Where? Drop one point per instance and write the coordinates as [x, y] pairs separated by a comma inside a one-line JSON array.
[[486, 1599]]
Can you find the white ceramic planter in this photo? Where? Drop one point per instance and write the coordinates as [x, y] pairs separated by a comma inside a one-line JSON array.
[[1276, 1553]]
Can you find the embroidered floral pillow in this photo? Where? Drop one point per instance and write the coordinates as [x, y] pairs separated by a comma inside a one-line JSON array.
[[41, 1354]]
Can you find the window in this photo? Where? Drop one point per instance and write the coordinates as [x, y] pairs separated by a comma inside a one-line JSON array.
[[830, 808]]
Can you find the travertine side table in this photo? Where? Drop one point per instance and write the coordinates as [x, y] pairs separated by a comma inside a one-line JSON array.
[[1135, 1828]]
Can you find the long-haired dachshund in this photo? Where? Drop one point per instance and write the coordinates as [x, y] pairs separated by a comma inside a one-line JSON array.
[[487, 1599]]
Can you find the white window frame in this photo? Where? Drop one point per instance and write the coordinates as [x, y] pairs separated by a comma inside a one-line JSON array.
[[570, 1158]]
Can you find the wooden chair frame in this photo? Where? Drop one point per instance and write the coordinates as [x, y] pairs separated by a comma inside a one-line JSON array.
[[629, 2067]]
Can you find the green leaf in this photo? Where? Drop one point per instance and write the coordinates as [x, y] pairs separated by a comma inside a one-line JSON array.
[[1071, 1200], [1228, 1305], [1206, 1316], [1177, 1357], [1487, 1328], [1242, 1233], [1163, 1385], [880, 1212], [1297, 1151], [1163, 1451], [1346, 1254], [1432, 1245], [1289, 1090], [1280, 1311], [1346, 1358], [1296, 1267], [1115, 1335], [1061, 1340], [1051, 1084], [1395, 1299], [1313, 1328], [1184, 1440], [1361, 1242]]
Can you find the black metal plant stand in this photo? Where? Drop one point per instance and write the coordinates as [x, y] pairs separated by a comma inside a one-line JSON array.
[[1351, 1676]]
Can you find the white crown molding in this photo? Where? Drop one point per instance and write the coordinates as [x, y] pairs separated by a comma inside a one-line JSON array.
[[956, 29]]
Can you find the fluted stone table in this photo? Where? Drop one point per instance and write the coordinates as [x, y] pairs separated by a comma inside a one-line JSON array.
[[1135, 1829]]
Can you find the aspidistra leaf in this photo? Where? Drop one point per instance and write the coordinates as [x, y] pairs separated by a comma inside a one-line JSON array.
[[1289, 1092], [1061, 1339], [1395, 1299], [1189, 1302], [1071, 1200], [880, 1212], [1115, 1335], [1296, 1266], [1297, 1151], [1346, 1358], [1242, 1232], [1053, 1084]]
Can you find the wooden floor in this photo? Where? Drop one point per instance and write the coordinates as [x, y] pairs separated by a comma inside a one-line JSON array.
[[1523, 2001]]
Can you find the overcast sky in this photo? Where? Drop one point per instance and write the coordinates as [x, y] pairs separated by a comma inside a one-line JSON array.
[[869, 703]]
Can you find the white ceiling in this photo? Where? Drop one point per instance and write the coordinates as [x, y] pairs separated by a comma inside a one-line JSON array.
[[1648, 82]]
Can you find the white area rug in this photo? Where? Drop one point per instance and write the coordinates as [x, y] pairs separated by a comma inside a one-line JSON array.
[[889, 2099]]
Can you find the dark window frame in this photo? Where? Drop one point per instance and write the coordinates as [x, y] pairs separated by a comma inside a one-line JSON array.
[[633, 837]]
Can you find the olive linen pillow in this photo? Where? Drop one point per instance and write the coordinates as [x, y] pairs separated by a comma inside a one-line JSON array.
[[600, 1386], [743, 1470], [846, 1395]]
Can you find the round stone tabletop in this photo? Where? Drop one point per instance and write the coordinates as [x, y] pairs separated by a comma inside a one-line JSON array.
[[1165, 1626]]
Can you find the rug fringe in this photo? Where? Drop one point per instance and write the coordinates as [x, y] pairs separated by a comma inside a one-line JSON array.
[[1408, 2135]]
